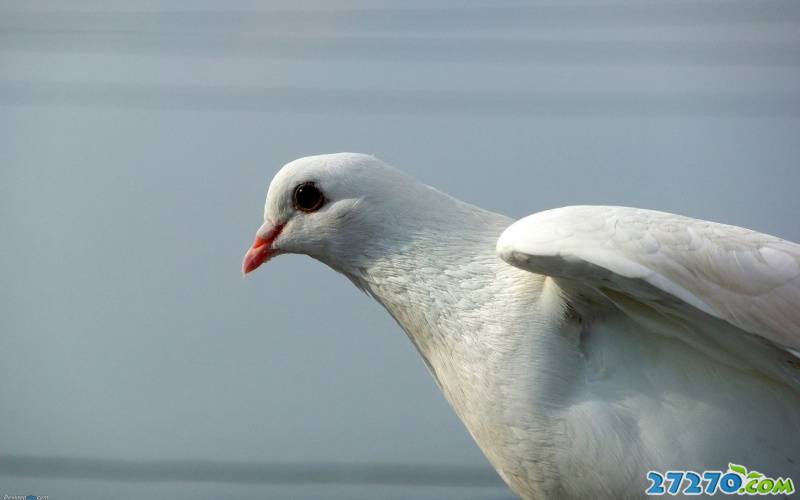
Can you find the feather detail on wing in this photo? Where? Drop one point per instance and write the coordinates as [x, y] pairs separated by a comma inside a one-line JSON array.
[[673, 264]]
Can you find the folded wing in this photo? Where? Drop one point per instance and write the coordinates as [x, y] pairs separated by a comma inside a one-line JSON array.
[[685, 269]]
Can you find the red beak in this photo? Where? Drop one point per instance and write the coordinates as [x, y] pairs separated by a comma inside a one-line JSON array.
[[262, 250]]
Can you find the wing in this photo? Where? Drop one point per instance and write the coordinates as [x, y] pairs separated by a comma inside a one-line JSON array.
[[689, 271]]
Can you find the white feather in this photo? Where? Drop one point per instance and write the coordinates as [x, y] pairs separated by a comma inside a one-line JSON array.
[[749, 279]]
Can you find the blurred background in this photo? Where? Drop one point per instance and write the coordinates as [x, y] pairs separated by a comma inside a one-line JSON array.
[[137, 140]]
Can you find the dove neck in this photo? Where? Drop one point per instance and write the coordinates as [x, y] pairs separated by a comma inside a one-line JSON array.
[[444, 284], [476, 321]]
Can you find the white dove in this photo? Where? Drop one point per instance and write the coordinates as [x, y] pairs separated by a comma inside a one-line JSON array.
[[582, 346]]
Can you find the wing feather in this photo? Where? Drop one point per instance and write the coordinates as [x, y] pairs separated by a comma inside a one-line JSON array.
[[745, 278]]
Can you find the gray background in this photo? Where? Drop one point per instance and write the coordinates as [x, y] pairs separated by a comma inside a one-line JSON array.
[[137, 140]]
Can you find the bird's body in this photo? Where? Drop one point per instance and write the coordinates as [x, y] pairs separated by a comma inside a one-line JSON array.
[[609, 347]]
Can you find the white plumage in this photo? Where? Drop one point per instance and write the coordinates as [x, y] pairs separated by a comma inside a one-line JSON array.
[[618, 340], [685, 269], [748, 279]]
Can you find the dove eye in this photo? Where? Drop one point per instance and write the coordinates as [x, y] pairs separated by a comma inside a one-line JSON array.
[[307, 197]]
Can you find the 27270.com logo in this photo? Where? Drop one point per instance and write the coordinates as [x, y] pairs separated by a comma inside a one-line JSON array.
[[737, 480]]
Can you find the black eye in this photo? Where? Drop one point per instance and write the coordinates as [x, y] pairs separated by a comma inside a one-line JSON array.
[[307, 197]]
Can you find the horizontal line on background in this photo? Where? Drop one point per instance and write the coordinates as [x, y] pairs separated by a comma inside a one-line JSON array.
[[415, 19], [415, 48], [246, 472], [397, 102]]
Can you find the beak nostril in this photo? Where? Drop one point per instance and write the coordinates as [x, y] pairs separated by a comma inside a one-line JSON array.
[[261, 250], [259, 242]]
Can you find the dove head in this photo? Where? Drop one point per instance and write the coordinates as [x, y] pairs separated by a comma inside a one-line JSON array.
[[334, 208]]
